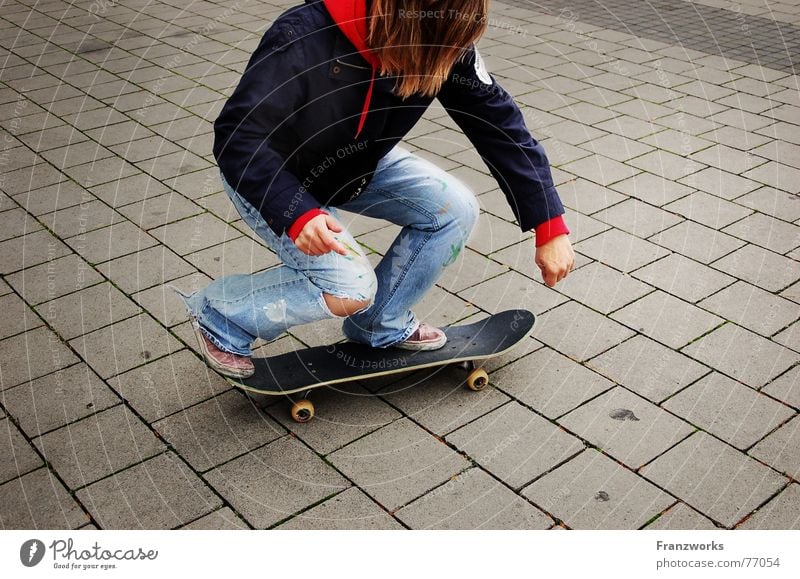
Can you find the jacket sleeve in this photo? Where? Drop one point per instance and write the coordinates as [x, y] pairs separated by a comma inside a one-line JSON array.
[[268, 95], [494, 125]]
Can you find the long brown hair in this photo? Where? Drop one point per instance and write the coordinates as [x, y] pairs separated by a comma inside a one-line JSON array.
[[420, 40]]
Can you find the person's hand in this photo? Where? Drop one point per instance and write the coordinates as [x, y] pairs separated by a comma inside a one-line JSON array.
[[555, 259], [316, 237]]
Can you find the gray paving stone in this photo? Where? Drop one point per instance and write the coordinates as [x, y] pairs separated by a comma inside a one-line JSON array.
[[470, 269], [53, 279], [548, 382], [54, 400], [582, 227], [295, 479], [683, 277], [621, 250], [39, 501], [144, 269], [129, 190], [579, 332], [223, 519], [652, 189], [781, 513], [31, 355], [512, 290], [667, 319], [719, 183], [98, 172], [734, 137], [17, 457], [197, 184], [87, 310], [125, 345], [769, 232], [638, 218], [786, 387], [628, 126], [727, 158], [753, 308], [515, 444], [16, 222], [709, 210], [111, 242], [160, 493], [697, 241], [600, 170], [602, 288], [164, 304], [792, 293], [521, 258], [440, 308], [679, 142], [626, 427], [349, 510], [735, 413], [742, 355], [587, 197], [473, 500], [343, 414], [667, 165], [29, 250], [88, 450], [157, 211], [772, 202], [781, 449], [195, 233], [240, 255], [16, 317], [681, 518], [493, 234], [373, 462], [218, 430], [439, 401], [648, 368], [592, 491], [168, 385], [489, 196], [712, 477], [777, 175], [79, 219], [29, 178], [617, 147]]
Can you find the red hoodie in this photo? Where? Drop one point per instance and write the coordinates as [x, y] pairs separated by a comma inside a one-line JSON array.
[[351, 18]]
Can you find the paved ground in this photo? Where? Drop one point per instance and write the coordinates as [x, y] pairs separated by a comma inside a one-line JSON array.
[[661, 386]]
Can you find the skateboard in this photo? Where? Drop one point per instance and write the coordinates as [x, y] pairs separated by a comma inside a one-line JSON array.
[[301, 371]]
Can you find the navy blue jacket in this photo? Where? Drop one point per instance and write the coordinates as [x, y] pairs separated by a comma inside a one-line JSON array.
[[285, 139]]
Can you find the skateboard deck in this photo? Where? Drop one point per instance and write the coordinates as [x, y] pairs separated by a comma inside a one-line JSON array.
[[310, 368]]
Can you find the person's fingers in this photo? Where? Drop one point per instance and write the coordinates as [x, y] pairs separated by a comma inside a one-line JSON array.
[[331, 244], [549, 276], [333, 224]]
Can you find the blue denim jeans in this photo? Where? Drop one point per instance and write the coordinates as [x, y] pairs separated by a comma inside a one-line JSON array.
[[437, 214]]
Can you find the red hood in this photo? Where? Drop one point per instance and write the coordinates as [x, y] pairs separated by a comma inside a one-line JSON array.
[[351, 18]]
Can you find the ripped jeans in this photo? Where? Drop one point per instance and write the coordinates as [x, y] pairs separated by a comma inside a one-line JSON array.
[[437, 214]]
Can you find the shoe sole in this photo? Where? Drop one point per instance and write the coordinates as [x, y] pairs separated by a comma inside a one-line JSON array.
[[211, 362]]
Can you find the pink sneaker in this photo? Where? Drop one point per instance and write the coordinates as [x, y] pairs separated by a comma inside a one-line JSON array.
[[425, 337], [223, 362]]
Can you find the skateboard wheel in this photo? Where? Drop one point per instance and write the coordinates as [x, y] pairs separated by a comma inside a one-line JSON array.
[[302, 411], [477, 380]]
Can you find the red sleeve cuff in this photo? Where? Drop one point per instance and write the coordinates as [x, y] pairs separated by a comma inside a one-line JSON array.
[[550, 229], [294, 231]]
